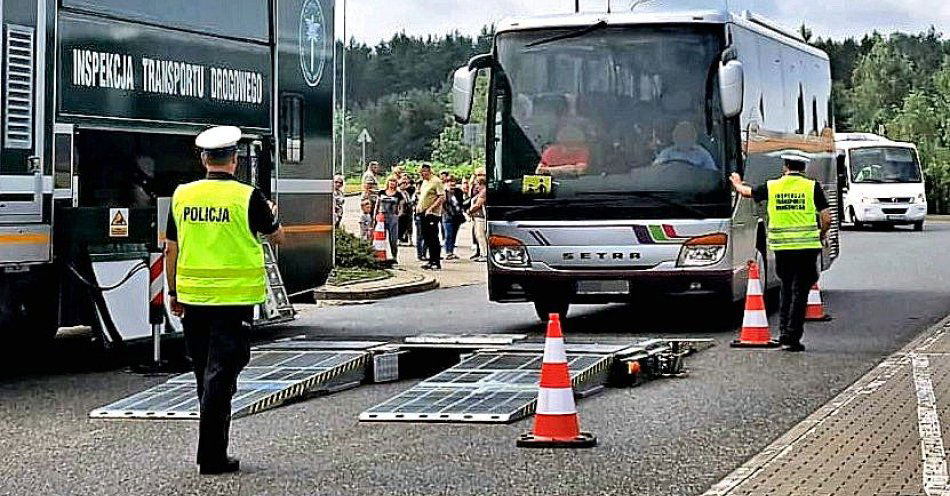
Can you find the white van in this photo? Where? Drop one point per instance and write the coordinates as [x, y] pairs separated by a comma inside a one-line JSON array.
[[881, 181]]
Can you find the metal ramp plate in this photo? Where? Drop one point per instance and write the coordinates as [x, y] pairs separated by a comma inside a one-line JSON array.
[[271, 379], [488, 387]]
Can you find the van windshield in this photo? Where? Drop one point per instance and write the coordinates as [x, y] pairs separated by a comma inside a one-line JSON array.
[[884, 165]]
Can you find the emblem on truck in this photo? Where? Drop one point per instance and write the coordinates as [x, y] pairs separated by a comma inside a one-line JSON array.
[[312, 44]]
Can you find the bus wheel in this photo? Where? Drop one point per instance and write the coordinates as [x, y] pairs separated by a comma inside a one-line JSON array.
[[546, 308]]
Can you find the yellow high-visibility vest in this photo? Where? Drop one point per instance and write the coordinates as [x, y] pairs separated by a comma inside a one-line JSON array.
[[220, 261], [793, 216]]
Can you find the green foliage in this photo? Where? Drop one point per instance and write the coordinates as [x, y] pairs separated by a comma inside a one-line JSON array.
[[901, 83], [352, 252], [881, 80], [460, 172]]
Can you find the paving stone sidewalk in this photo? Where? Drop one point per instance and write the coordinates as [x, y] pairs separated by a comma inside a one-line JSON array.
[[881, 436]]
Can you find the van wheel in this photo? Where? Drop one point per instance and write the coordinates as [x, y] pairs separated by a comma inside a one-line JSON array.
[[919, 226], [545, 308]]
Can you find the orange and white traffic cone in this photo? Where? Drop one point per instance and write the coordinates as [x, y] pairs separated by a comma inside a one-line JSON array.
[[755, 331], [555, 422], [380, 243], [815, 311]]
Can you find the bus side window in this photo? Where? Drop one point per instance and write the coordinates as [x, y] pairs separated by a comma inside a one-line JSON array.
[[801, 110], [291, 128]]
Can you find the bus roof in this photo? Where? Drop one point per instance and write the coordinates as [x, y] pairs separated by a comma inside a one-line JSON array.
[[762, 25], [848, 141]]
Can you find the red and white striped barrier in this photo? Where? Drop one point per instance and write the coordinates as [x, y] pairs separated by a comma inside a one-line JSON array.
[[156, 288]]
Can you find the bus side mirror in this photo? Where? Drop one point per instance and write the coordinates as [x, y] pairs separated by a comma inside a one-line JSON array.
[[463, 86], [731, 88], [463, 93]]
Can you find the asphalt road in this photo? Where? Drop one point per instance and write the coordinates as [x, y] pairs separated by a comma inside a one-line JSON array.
[[673, 437]]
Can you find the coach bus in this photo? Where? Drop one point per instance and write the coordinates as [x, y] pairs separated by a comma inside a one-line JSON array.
[[102, 100], [611, 138]]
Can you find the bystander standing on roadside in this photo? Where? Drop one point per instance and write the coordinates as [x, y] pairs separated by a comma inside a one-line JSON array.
[[339, 199], [453, 216], [431, 200], [421, 251], [478, 183], [391, 203], [480, 225], [405, 219], [371, 181], [366, 220]]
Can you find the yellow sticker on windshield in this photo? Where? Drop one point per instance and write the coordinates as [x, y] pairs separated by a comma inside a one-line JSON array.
[[536, 185]]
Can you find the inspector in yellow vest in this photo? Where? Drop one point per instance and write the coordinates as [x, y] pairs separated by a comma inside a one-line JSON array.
[[220, 262], [793, 221]]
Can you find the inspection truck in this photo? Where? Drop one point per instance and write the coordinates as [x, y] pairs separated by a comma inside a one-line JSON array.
[[101, 102]]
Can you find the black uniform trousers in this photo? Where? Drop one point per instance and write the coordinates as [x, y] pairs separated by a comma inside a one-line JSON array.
[[430, 233], [798, 270], [218, 339]]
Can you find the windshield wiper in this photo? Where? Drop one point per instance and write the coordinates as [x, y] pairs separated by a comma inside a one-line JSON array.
[[655, 197], [555, 202], [573, 34], [584, 199]]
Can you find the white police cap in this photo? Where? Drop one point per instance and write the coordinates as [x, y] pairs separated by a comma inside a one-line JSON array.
[[219, 138], [796, 158]]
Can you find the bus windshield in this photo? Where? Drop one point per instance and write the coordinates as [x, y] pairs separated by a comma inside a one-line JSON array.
[[610, 113], [884, 165]]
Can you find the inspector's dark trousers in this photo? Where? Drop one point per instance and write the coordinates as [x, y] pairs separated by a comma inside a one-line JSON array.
[[219, 344], [798, 270], [430, 233]]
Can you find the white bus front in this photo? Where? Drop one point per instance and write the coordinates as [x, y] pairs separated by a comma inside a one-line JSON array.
[[607, 163]]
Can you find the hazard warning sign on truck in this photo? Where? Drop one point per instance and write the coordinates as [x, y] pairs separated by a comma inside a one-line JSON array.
[[118, 223]]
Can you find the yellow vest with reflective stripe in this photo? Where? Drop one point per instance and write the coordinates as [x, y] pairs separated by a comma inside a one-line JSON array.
[[220, 262], [793, 221]]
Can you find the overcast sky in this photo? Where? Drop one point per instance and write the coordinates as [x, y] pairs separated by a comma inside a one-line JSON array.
[[373, 20]]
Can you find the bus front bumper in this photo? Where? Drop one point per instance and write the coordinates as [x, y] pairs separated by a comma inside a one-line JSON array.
[[608, 286]]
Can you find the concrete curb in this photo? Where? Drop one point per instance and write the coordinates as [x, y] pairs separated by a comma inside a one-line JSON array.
[[938, 218], [403, 282]]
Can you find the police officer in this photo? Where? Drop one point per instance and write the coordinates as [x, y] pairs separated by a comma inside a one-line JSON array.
[[215, 270], [799, 219]]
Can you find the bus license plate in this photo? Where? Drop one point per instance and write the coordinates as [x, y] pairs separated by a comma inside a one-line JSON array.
[[895, 217], [603, 287]]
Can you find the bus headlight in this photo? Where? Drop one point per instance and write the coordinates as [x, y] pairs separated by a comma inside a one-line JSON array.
[[703, 251], [508, 252], [867, 199], [921, 198]]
